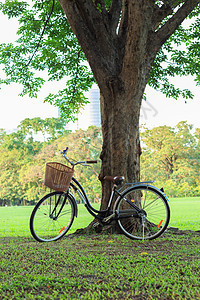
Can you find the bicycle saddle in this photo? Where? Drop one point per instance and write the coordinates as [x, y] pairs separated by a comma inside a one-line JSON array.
[[115, 179]]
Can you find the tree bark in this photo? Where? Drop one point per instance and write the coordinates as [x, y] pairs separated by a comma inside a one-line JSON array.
[[120, 128]]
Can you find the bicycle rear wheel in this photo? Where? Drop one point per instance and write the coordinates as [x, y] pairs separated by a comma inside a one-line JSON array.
[[52, 217], [152, 221]]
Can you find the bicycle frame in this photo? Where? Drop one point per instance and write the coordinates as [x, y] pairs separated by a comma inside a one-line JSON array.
[[100, 214], [77, 187], [54, 210]]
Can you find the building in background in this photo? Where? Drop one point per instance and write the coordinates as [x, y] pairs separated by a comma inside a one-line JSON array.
[[90, 115]]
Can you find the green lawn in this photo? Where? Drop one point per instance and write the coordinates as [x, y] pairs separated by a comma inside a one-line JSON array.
[[185, 213], [106, 267], [99, 266], [14, 221]]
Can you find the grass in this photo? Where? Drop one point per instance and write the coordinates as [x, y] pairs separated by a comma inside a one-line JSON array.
[[14, 221], [100, 266], [185, 213]]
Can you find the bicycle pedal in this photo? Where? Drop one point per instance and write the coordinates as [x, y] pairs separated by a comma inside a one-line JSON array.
[[96, 224], [98, 227]]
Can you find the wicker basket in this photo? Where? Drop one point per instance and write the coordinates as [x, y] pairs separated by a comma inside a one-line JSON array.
[[58, 176]]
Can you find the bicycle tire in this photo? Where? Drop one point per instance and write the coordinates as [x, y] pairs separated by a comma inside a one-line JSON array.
[[52, 217], [156, 210]]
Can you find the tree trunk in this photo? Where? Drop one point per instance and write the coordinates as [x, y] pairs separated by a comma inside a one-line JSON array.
[[120, 128]]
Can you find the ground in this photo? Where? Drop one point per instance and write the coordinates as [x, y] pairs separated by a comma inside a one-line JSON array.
[[100, 266]]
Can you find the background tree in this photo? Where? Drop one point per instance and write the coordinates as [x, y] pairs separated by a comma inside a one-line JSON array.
[[127, 43], [171, 158], [22, 163], [50, 128]]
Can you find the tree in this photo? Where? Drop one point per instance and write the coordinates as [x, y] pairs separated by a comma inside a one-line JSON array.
[[10, 189], [171, 157], [22, 162], [127, 44], [50, 127]]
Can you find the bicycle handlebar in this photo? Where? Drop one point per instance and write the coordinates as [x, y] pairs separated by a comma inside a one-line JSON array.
[[91, 161], [78, 162], [65, 150]]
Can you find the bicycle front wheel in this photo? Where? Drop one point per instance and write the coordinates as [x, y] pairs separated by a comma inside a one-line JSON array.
[[52, 217], [149, 223]]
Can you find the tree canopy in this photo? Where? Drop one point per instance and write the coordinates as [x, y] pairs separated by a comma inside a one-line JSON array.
[[47, 43]]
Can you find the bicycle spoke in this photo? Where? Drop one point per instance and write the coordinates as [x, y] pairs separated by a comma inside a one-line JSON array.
[[52, 217], [153, 218]]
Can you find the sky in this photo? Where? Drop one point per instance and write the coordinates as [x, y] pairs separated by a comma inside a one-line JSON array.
[[156, 111], [13, 108]]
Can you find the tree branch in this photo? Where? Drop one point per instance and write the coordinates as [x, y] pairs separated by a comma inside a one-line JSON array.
[[38, 44], [123, 24], [114, 14], [172, 3], [160, 13], [76, 77], [89, 15], [92, 29], [173, 23]]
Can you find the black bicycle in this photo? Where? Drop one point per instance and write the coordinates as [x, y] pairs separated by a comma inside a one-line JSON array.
[[140, 210]]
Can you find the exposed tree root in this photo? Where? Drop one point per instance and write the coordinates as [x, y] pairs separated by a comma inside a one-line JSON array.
[[91, 229], [113, 229]]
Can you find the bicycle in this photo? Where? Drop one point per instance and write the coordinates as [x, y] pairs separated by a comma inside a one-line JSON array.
[[140, 210]]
